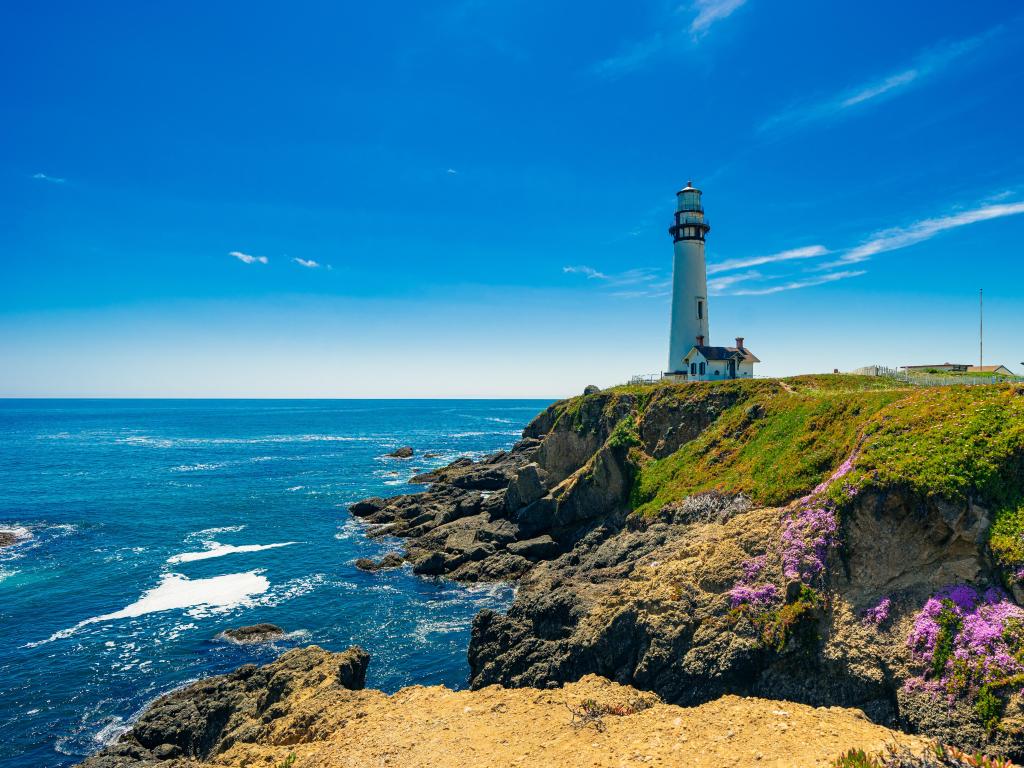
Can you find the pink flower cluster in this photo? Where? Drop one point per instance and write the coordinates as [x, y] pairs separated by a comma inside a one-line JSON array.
[[987, 639], [748, 592], [807, 535], [811, 529], [879, 613]]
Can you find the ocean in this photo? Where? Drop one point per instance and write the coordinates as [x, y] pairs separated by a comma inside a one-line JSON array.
[[147, 527]]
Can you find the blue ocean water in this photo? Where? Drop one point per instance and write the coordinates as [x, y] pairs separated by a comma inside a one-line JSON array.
[[151, 526]]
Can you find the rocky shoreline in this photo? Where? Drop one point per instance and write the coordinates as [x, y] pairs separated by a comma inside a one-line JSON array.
[[711, 593]]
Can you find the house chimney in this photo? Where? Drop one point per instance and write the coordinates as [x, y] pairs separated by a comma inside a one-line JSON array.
[[739, 342], [700, 341]]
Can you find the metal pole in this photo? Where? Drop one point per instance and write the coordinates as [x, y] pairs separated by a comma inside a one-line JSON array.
[[981, 328]]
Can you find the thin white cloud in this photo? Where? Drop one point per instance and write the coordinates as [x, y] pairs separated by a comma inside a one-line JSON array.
[[452, 172], [796, 284], [590, 272], [903, 237], [308, 263], [718, 285], [640, 53], [633, 57], [51, 179], [248, 259], [711, 11], [926, 64], [807, 252]]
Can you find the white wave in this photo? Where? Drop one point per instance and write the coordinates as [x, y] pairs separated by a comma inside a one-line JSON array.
[[179, 442], [178, 592], [457, 435], [207, 532], [215, 549], [427, 627], [6, 573], [110, 732], [199, 467], [296, 488], [19, 532], [500, 421]]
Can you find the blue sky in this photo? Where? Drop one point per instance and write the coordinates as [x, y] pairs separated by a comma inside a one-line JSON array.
[[471, 198]]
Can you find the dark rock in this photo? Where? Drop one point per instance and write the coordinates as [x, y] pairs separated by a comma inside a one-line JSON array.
[[367, 507], [390, 560], [540, 548], [528, 485], [591, 389], [424, 478], [256, 633], [7, 538], [405, 452], [245, 706]]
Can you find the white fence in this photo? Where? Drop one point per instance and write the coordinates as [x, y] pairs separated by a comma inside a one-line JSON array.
[[934, 379]]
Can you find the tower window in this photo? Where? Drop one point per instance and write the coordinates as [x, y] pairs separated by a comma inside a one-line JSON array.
[[700, 309]]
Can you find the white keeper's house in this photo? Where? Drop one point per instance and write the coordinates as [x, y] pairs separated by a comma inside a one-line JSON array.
[[691, 356]]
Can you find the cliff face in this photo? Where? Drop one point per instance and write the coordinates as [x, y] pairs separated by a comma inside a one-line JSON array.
[[785, 539], [832, 541]]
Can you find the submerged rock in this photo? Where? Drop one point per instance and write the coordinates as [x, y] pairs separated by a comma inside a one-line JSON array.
[[390, 560], [256, 633], [405, 452]]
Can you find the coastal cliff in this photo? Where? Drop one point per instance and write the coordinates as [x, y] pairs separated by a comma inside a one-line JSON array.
[[831, 541]]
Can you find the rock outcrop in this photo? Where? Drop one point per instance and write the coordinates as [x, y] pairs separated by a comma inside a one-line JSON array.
[[650, 599], [254, 633], [306, 710], [276, 704]]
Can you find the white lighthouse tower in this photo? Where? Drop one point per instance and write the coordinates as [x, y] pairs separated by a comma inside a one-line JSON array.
[[689, 279]]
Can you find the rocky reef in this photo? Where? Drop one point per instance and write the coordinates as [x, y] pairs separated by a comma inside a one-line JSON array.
[[828, 541]]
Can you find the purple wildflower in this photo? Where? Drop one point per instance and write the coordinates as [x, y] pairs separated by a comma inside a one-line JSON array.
[[984, 647], [879, 613], [759, 596]]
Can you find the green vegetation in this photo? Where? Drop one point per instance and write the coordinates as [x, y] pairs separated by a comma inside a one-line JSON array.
[[776, 444], [288, 762], [949, 624], [774, 440]]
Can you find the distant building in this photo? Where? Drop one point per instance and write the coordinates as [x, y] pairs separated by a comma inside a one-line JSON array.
[[704, 363], [689, 358], [995, 370], [949, 367]]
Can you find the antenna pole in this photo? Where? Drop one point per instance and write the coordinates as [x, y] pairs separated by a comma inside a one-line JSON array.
[[981, 327]]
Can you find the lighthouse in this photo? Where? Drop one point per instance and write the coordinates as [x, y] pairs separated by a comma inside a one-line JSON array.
[[689, 278]]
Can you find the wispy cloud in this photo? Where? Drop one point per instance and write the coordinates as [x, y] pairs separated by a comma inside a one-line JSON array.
[[51, 179], [589, 272], [927, 63], [796, 284], [718, 285], [640, 53], [308, 263], [807, 252], [902, 237], [711, 11], [633, 283], [452, 172], [249, 259]]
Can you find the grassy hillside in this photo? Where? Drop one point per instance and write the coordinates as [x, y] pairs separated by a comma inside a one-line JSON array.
[[778, 439]]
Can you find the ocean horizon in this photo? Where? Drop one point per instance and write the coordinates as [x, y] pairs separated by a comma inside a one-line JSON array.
[[146, 527]]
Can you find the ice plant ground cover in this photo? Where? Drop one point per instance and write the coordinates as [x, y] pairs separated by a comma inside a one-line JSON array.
[[969, 644]]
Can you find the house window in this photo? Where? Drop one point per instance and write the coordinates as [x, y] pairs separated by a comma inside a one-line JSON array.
[[693, 368], [700, 309], [716, 373], [702, 369]]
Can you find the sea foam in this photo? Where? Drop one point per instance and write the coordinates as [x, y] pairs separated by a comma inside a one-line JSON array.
[[177, 592], [215, 549]]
